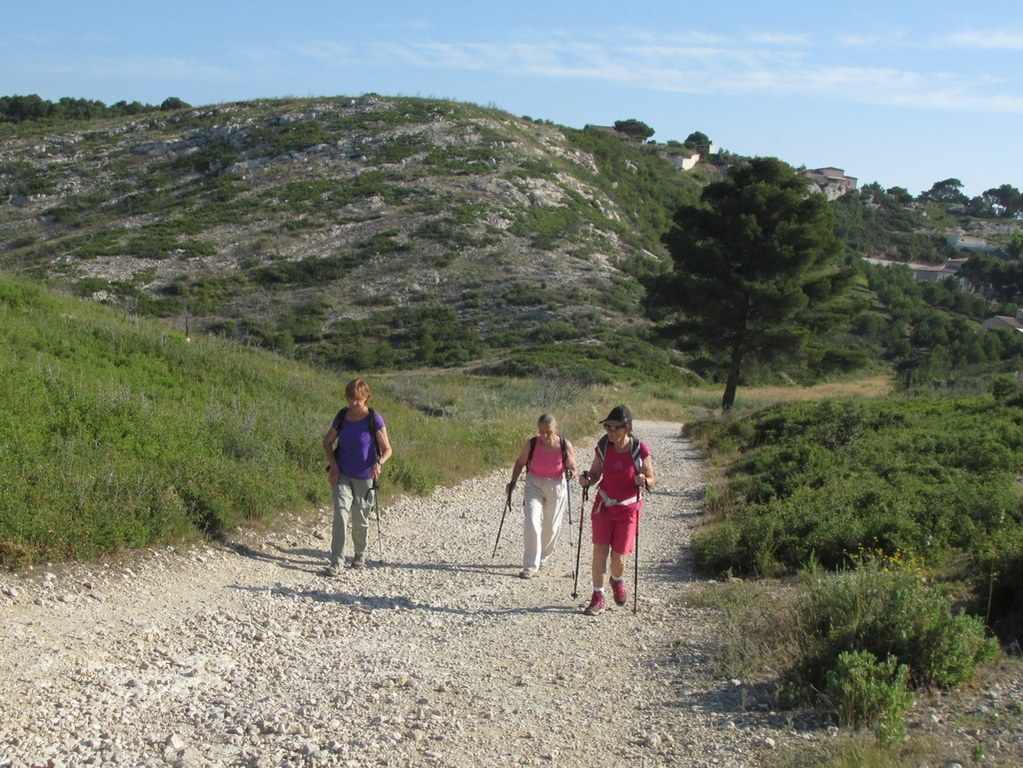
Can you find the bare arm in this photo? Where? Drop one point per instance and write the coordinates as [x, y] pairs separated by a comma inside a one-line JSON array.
[[646, 477], [520, 464], [334, 472], [571, 466], [593, 476], [385, 451]]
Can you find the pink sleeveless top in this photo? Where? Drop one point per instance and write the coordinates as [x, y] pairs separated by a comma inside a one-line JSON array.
[[547, 462]]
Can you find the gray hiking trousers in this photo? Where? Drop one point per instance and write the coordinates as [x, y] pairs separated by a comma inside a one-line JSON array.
[[353, 503]]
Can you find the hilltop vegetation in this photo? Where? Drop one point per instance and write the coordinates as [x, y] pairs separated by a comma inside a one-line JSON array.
[[366, 233]]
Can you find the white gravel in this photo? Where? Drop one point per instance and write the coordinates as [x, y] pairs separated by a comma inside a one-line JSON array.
[[243, 655]]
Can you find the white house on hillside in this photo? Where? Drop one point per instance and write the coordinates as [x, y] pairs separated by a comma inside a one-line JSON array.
[[925, 273], [831, 181], [966, 242]]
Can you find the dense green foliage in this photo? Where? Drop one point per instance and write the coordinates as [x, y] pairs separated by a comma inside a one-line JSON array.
[[642, 182], [17, 109], [930, 478], [637, 129], [882, 607], [880, 225], [872, 634], [930, 333], [865, 691], [863, 498]]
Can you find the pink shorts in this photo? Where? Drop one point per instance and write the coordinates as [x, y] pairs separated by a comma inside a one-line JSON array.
[[616, 526]]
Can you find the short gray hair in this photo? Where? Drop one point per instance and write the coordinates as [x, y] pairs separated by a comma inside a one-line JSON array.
[[546, 419]]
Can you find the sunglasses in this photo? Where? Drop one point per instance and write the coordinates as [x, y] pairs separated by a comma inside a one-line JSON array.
[[613, 427]]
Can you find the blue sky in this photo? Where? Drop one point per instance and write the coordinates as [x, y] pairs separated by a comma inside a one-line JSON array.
[[904, 94]]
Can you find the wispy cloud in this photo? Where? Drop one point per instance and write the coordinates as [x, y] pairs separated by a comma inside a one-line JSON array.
[[767, 64], [323, 50], [984, 40]]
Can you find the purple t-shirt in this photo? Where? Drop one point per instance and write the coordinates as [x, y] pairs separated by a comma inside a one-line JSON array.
[[355, 453]]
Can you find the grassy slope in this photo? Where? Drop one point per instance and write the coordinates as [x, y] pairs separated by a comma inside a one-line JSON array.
[[120, 433]]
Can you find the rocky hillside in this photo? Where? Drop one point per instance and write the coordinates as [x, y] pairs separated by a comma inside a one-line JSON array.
[[351, 232]]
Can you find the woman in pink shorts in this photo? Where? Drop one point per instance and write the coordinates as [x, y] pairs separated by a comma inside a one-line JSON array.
[[622, 469]]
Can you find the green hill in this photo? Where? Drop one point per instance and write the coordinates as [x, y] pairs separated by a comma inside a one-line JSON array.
[[368, 232]]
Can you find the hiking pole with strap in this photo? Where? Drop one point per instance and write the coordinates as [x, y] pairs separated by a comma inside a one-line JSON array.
[[635, 561], [579, 548], [380, 533], [507, 506], [375, 490], [568, 490], [635, 571]]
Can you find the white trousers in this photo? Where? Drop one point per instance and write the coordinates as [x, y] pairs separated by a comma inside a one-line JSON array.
[[544, 504]]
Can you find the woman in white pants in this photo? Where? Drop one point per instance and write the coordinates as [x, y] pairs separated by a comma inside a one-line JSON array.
[[549, 461]]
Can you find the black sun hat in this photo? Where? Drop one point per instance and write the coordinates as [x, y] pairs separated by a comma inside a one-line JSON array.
[[620, 414]]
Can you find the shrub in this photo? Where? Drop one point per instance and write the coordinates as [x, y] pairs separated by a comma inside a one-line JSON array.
[[864, 691], [1004, 387], [881, 608]]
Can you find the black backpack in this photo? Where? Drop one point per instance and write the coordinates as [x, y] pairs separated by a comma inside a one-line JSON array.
[[340, 420]]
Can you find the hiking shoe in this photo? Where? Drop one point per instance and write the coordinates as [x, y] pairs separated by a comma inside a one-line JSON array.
[[333, 569], [528, 573], [358, 562], [596, 605], [618, 590]]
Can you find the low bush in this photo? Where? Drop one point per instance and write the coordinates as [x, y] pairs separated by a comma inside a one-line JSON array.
[[880, 606], [864, 691]]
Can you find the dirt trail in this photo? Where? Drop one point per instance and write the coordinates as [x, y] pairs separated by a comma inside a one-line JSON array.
[[434, 655]]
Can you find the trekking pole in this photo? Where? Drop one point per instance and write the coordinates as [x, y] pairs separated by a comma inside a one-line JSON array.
[[507, 506], [579, 548], [635, 562], [375, 490], [635, 571], [568, 490]]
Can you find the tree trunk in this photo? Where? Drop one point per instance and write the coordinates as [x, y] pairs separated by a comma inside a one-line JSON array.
[[732, 383]]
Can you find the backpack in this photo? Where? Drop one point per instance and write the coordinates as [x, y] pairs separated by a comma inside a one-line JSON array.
[[602, 451], [532, 448], [340, 419]]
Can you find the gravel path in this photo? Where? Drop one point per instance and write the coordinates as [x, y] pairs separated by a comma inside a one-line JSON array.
[[241, 654]]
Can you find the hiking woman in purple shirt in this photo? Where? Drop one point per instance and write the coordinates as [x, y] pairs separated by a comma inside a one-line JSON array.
[[356, 451]]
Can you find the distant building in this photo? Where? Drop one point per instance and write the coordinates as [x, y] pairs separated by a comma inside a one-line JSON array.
[[831, 181], [1003, 321], [966, 242], [685, 163], [926, 273]]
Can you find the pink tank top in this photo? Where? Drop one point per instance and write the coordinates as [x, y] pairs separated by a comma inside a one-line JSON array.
[[547, 462]]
